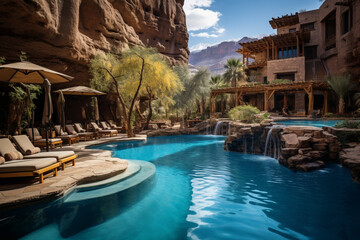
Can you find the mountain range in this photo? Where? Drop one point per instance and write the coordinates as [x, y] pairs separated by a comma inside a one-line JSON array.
[[215, 57]]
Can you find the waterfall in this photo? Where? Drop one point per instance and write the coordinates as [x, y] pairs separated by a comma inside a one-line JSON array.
[[217, 126], [207, 129], [245, 145], [229, 129], [267, 140], [252, 143], [272, 143]]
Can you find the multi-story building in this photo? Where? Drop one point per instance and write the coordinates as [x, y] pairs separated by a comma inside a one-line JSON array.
[[308, 46]]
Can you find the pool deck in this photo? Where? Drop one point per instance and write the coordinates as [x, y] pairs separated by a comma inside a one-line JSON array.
[[91, 166]]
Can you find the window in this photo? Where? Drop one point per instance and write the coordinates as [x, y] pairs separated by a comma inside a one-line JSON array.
[[345, 19], [265, 80], [288, 76], [330, 31], [287, 52], [311, 52], [292, 30], [308, 26]]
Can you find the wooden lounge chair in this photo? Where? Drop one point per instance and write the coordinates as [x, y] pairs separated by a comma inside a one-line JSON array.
[[65, 136], [83, 134], [41, 142], [19, 167], [29, 151], [114, 126], [103, 132], [105, 126]]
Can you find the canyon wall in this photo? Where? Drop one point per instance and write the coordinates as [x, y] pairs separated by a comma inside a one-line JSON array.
[[63, 35]]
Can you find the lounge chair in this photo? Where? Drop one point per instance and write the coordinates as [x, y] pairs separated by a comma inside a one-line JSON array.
[[114, 126], [103, 132], [65, 136], [41, 142], [16, 166], [80, 131], [29, 151], [105, 126]]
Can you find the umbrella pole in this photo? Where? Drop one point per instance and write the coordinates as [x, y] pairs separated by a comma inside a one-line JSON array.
[[32, 126], [47, 137]]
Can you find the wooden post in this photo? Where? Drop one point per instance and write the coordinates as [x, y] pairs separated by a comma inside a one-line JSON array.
[[272, 50], [285, 100], [310, 94], [267, 51], [247, 60], [325, 101], [266, 102]]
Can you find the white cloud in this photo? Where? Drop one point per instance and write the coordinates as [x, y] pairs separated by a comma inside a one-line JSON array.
[[213, 34], [197, 17], [199, 47]]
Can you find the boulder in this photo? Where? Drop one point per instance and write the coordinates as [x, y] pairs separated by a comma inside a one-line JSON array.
[[316, 155], [297, 160], [289, 152], [304, 142], [291, 140], [320, 146], [306, 167], [303, 151]]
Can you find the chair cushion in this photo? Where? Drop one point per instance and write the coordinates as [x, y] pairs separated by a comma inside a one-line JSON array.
[[6, 146], [15, 155], [23, 143], [26, 165], [2, 160], [32, 151], [53, 154]]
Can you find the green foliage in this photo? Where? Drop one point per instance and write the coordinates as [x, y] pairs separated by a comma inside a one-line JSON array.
[[354, 124], [2, 60], [340, 84], [262, 117], [329, 114], [194, 87], [281, 81], [245, 113], [356, 99], [23, 56], [234, 71]]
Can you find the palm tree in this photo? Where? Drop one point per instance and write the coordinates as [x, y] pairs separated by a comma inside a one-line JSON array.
[[341, 86], [234, 71]]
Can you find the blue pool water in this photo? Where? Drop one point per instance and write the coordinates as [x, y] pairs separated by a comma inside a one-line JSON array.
[[201, 191], [315, 123]]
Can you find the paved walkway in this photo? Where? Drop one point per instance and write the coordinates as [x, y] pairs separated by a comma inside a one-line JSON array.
[[91, 165]]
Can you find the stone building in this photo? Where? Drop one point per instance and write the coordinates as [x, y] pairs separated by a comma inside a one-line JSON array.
[[308, 47]]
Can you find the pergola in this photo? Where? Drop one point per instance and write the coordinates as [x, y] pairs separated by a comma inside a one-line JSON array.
[[286, 20], [270, 89], [273, 42]]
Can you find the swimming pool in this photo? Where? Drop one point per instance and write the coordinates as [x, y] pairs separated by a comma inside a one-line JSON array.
[[314, 123], [203, 192]]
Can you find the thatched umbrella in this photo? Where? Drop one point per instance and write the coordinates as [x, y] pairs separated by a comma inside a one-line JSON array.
[[27, 72], [84, 91]]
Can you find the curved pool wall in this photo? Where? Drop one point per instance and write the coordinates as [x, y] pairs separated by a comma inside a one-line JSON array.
[[314, 123], [86, 206]]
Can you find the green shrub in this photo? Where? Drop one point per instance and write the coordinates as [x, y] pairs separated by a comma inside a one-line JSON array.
[[329, 114], [281, 81], [262, 117], [354, 124], [244, 113]]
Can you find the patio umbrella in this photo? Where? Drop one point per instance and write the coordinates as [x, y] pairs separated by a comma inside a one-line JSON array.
[[96, 106], [61, 109], [84, 91], [27, 72]]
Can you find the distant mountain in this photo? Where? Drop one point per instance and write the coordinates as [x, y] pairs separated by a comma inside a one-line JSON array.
[[215, 57]]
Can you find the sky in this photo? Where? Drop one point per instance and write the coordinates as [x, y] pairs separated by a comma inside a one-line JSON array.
[[210, 22]]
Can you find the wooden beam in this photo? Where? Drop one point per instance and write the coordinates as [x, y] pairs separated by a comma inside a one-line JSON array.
[[311, 100], [297, 46], [236, 99], [266, 102]]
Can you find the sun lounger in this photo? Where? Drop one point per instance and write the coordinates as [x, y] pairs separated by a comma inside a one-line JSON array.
[[104, 126], [29, 151], [16, 166], [41, 142], [103, 132], [65, 136], [114, 126], [80, 131]]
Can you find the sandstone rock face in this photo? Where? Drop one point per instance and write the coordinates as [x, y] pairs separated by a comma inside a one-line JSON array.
[[64, 35]]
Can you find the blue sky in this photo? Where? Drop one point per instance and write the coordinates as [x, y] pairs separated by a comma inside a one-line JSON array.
[[213, 21]]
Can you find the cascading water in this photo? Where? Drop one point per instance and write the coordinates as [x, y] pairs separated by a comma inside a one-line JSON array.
[[274, 141], [217, 126]]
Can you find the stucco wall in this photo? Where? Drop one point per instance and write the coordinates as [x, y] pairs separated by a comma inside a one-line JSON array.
[[289, 65]]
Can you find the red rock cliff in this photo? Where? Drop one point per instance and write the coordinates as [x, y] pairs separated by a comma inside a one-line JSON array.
[[63, 35]]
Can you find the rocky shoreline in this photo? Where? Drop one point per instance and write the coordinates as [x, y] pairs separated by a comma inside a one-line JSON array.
[[300, 148]]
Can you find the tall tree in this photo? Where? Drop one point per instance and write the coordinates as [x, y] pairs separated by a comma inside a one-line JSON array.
[[234, 71], [132, 74], [195, 87], [341, 86]]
